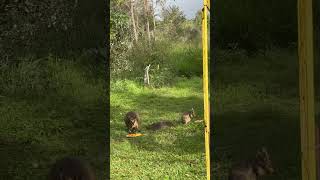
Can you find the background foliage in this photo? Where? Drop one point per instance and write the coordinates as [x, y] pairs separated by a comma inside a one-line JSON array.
[[53, 73]]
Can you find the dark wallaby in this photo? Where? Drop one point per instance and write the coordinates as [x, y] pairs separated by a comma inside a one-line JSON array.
[[160, 125], [252, 169], [187, 116], [71, 168], [132, 121]]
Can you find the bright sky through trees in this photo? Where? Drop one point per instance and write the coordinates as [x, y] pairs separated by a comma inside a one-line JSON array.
[[189, 7]]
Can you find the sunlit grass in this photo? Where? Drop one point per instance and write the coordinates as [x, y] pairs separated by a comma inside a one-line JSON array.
[[175, 153]]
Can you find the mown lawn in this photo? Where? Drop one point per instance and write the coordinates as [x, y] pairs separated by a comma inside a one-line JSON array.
[[175, 153]]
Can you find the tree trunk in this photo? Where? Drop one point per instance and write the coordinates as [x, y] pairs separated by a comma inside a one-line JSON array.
[[138, 28], [154, 21], [154, 27], [133, 22], [146, 13]]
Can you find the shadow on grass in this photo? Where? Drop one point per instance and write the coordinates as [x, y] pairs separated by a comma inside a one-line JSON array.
[[165, 104], [67, 127], [88, 136], [152, 106], [155, 107], [181, 145], [19, 162], [239, 134]]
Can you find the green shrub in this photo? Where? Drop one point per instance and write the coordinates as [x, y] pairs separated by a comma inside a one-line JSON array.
[[186, 60], [167, 60], [28, 78]]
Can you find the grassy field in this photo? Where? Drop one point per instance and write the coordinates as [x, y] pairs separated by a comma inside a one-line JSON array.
[[175, 153], [256, 103], [48, 111], [57, 108]]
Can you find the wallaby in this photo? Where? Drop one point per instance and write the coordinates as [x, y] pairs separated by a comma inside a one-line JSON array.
[[187, 116], [252, 169], [132, 121], [71, 168], [160, 125]]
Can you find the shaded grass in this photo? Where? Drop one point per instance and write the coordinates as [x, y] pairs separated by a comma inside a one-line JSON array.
[[66, 117], [256, 104], [175, 153]]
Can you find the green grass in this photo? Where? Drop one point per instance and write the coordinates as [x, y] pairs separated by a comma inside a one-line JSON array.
[[175, 153], [49, 110], [42, 122], [256, 103]]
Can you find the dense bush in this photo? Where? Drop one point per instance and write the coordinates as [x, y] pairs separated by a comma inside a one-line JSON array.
[[41, 27], [37, 78], [167, 60], [254, 24]]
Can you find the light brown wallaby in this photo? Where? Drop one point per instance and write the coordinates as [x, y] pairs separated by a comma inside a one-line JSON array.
[[252, 169], [132, 121], [187, 116]]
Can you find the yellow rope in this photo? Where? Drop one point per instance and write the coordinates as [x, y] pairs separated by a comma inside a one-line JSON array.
[[306, 83], [206, 4]]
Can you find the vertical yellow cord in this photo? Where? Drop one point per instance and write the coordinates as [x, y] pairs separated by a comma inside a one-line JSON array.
[[205, 85], [306, 78]]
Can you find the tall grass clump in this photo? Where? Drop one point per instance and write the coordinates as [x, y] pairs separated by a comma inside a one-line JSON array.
[[124, 86], [28, 78], [186, 60], [167, 60], [50, 75]]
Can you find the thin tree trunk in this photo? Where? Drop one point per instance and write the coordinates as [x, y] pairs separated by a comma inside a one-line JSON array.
[[133, 22], [154, 27], [148, 31], [146, 13], [138, 28], [154, 20]]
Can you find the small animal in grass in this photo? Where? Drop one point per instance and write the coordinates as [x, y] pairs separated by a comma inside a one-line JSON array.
[[160, 125], [71, 168], [252, 169], [187, 116], [132, 121]]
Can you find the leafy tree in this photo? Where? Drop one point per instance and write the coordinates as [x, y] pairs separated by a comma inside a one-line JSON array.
[[25, 24], [120, 35], [173, 21]]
